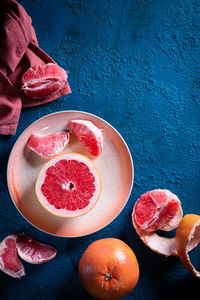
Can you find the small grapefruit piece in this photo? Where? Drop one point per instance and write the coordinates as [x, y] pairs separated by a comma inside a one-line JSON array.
[[43, 81], [157, 209], [109, 269], [88, 134], [9, 262], [33, 251], [48, 145], [187, 238], [68, 185]]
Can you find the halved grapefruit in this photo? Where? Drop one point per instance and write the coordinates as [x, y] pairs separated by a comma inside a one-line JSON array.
[[88, 134], [33, 251], [43, 81], [9, 262], [48, 145], [68, 185], [157, 209]]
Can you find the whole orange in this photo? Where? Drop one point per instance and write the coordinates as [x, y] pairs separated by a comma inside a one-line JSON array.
[[109, 269]]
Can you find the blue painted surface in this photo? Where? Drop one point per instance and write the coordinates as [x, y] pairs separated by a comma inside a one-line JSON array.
[[136, 64]]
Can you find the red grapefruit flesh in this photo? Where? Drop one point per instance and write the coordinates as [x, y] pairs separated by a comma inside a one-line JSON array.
[[157, 209], [48, 145], [33, 251], [9, 262], [43, 81], [68, 185], [88, 134]]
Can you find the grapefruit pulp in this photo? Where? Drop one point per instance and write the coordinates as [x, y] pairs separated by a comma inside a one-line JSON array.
[[9, 262], [88, 134], [157, 209], [43, 81], [48, 145], [68, 185], [109, 269], [33, 251]]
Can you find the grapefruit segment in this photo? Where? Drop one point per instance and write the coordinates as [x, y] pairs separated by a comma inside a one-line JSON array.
[[48, 145], [187, 238], [88, 134], [33, 251], [43, 81], [68, 185], [157, 209], [9, 262]]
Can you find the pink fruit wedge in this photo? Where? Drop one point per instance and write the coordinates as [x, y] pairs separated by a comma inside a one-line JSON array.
[[32, 251], [88, 134], [9, 262], [157, 209], [48, 145], [68, 185], [43, 81]]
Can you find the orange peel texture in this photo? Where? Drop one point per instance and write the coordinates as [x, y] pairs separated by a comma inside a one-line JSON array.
[[187, 238]]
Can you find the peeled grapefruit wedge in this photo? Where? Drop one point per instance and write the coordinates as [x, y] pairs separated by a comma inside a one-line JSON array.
[[88, 134], [48, 145], [187, 238], [68, 185], [157, 209], [43, 81], [9, 262], [33, 251]]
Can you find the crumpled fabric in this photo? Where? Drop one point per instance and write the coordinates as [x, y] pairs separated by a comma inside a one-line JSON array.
[[19, 51]]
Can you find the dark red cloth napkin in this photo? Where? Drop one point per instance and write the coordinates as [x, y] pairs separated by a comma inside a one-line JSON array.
[[19, 50]]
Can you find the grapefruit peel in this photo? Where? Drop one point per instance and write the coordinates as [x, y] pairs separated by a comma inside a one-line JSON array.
[[108, 269], [157, 243], [187, 238], [65, 213]]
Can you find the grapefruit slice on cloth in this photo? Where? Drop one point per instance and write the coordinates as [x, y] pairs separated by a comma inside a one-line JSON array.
[[68, 185], [157, 209], [187, 238], [88, 134], [43, 81], [9, 262], [33, 251], [48, 145]]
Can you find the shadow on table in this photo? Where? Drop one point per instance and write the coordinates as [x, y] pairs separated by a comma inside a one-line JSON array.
[[183, 288]]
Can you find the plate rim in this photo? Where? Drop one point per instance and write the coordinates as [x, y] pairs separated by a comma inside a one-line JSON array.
[[130, 157]]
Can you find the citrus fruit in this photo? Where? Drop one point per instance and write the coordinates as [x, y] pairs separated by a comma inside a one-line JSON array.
[[157, 209], [88, 134], [43, 81], [109, 269], [9, 262], [68, 185], [33, 251], [48, 145], [187, 238]]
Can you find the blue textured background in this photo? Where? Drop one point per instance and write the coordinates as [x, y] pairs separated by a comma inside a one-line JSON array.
[[135, 63]]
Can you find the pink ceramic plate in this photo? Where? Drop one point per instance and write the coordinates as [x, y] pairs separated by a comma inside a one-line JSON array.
[[114, 164]]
